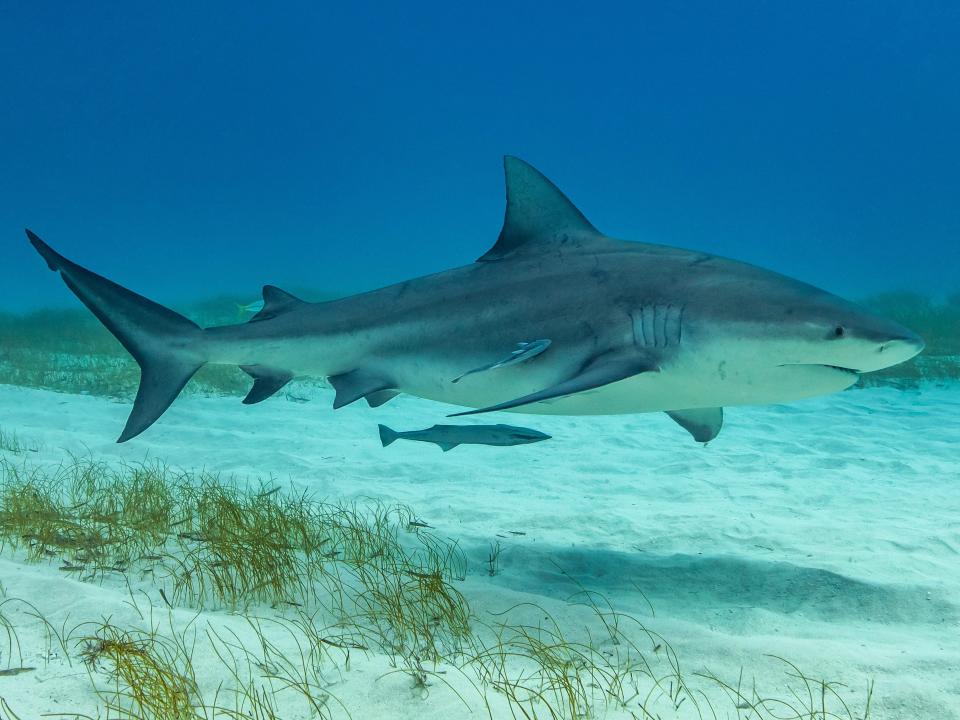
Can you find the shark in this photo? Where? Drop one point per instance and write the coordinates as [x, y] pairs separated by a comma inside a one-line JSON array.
[[555, 318]]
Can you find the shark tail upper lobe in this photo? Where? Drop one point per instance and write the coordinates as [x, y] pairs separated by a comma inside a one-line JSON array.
[[167, 346]]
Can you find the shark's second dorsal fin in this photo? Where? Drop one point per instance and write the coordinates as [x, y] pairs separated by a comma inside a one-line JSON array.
[[276, 302], [538, 213]]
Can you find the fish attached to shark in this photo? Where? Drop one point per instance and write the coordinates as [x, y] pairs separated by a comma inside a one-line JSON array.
[[556, 318]]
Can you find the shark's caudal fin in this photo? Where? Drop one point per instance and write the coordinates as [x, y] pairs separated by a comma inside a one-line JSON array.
[[165, 344], [387, 436]]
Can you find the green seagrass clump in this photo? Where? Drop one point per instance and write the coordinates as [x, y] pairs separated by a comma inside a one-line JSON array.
[[90, 517], [14, 443], [321, 582], [148, 676]]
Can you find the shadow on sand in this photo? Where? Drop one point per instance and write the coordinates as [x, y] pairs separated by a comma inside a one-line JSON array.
[[698, 585]]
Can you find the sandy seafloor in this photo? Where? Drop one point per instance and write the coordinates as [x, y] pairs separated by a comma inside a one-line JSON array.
[[826, 532]]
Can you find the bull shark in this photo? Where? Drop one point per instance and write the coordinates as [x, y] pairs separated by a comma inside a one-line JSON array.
[[611, 326]]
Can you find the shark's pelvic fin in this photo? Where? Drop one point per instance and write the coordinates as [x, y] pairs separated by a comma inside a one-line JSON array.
[[376, 399], [602, 371], [266, 382], [353, 385], [447, 447], [165, 344], [703, 423], [537, 215], [276, 302]]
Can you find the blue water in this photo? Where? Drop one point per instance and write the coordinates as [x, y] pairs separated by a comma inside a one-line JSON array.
[[194, 150], [341, 146]]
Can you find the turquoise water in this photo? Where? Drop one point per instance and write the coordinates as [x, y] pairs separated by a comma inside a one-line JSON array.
[[616, 568]]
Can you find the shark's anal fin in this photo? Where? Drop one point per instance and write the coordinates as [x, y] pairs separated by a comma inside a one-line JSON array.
[[703, 423], [276, 302], [447, 447], [601, 371], [266, 382], [538, 216], [356, 384]]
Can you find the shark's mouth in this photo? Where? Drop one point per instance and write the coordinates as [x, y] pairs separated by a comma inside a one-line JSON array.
[[843, 369], [848, 371]]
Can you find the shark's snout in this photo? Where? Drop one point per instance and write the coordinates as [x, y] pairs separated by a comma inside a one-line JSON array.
[[900, 349], [863, 343], [895, 346]]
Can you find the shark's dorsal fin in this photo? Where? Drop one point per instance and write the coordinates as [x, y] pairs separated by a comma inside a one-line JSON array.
[[538, 214], [276, 302]]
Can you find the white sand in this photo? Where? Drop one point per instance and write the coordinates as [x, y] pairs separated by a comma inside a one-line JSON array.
[[826, 532]]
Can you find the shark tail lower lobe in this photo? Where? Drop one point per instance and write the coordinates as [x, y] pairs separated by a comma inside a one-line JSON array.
[[165, 344], [387, 435]]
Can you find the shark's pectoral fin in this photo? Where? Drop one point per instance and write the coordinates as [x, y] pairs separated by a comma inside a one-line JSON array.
[[276, 302], [358, 384], [703, 423], [600, 372], [376, 399], [266, 382]]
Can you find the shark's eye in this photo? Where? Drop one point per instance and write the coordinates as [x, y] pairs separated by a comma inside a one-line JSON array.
[[839, 331]]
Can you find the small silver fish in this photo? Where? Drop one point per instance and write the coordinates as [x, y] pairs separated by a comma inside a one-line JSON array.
[[448, 437], [525, 351]]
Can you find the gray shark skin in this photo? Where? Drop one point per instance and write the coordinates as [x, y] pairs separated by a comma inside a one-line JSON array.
[[447, 437], [633, 327]]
